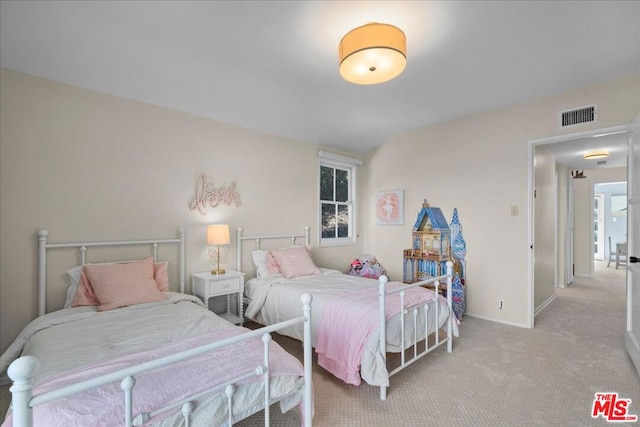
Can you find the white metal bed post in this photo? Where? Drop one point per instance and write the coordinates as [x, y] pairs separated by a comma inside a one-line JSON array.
[[21, 372], [307, 241], [308, 382], [42, 271], [382, 295], [449, 302], [183, 267], [266, 340], [239, 248]]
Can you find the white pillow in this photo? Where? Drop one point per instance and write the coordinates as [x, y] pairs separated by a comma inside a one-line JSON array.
[[73, 275], [260, 260]]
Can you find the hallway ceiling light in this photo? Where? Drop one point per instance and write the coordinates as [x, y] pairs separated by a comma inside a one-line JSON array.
[[373, 53], [596, 154]]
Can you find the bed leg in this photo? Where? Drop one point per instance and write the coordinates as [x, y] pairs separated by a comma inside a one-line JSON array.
[[450, 304], [383, 392], [308, 374], [21, 371]]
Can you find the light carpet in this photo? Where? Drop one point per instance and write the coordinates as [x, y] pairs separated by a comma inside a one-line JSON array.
[[497, 375]]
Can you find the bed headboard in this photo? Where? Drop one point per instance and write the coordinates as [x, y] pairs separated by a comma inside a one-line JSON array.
[[258, 239], [43, 246]]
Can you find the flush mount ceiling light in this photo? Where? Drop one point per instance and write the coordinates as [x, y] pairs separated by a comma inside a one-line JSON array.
[[596, 154], [373, 53]]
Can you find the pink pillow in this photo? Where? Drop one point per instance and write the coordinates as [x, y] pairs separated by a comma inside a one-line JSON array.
[[295, 262], [161, 276], [86, 296], [272, 264], [120, 285]]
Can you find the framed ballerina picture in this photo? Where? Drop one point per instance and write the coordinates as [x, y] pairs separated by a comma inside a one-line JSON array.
[[390, 207]]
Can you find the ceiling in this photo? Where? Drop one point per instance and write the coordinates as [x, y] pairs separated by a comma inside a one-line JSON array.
[[570, 152], [272, 65]]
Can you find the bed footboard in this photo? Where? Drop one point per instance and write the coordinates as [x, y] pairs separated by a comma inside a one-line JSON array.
[[432, 305], [23, 369]]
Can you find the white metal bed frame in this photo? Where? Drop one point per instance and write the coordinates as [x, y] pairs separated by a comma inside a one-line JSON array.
[[383, 293], [22, 370]]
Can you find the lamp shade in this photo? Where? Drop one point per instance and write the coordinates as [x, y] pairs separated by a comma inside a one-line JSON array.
[[218, 234], [373, 53], [596, 154]]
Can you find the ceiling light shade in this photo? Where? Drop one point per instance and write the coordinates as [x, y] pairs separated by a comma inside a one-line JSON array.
[[373, 53], [596, 154]]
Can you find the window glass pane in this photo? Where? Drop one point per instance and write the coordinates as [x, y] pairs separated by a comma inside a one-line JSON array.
[[343, 221], [342, 185], [328, 221], [338, 192], [326, 184]]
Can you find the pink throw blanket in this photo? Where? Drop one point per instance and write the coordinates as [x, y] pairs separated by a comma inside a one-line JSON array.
[[103, 406], [348, 320]]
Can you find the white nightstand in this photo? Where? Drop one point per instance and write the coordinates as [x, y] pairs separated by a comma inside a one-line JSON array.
[[207, 285]]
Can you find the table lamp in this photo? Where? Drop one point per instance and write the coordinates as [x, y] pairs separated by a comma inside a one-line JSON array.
[[217, 237]]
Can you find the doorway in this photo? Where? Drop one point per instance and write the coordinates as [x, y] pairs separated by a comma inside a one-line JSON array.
[[613, 219], [573, 235]]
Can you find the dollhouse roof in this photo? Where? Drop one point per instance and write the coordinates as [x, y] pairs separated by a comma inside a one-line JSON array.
[[431, 218]]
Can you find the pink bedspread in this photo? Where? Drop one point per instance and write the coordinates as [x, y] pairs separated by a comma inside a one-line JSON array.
[[347, 322], [103, 406]]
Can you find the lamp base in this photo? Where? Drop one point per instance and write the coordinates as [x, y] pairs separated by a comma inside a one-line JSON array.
[[217, 272]]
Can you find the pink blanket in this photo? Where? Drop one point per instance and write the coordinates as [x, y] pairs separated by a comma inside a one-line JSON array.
[[103, 406], [347, 322]]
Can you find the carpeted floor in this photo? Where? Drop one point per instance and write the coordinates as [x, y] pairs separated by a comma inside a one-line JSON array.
[[497, 375]]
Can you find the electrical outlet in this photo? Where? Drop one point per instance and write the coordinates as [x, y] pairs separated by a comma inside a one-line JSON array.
[[500, 305], [515, 210]]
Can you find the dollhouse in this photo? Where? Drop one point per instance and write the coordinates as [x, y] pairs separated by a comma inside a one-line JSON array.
[[430, 248], [433, 243]]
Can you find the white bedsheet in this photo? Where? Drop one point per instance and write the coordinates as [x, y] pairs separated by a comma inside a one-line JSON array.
[[274, 298], [82, 336]]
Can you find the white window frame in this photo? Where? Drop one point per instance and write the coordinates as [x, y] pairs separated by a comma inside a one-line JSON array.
[[351, 165]]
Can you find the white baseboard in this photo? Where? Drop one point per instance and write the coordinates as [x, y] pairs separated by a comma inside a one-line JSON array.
[[495, 319], [544, 304]]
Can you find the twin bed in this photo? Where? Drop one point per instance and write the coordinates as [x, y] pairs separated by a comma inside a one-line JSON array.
[[166, 360], [153, 357], [356, 321]]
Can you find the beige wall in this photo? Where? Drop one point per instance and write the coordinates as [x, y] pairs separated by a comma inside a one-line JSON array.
[[583, 215], [91, 166], [479, 165]]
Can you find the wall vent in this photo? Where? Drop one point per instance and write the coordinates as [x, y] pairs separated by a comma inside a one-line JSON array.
[[578, 116], [601, 163]]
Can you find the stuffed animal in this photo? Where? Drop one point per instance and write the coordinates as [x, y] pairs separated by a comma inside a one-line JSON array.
[[356, 266], [366, 266]]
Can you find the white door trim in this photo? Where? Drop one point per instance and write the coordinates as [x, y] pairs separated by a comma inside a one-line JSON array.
[[530, 202], [602, 243]]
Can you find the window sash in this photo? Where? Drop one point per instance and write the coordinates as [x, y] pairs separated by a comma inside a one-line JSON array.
[[341, 232]]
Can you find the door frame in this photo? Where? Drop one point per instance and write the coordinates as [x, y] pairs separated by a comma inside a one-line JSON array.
[[601, 242], [632, 335], [530, 202], [568, 243]]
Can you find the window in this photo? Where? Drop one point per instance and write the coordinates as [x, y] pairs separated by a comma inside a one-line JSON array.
[[337, 178]]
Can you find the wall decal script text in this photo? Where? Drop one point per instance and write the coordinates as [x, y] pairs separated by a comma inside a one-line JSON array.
[[207, 195]]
